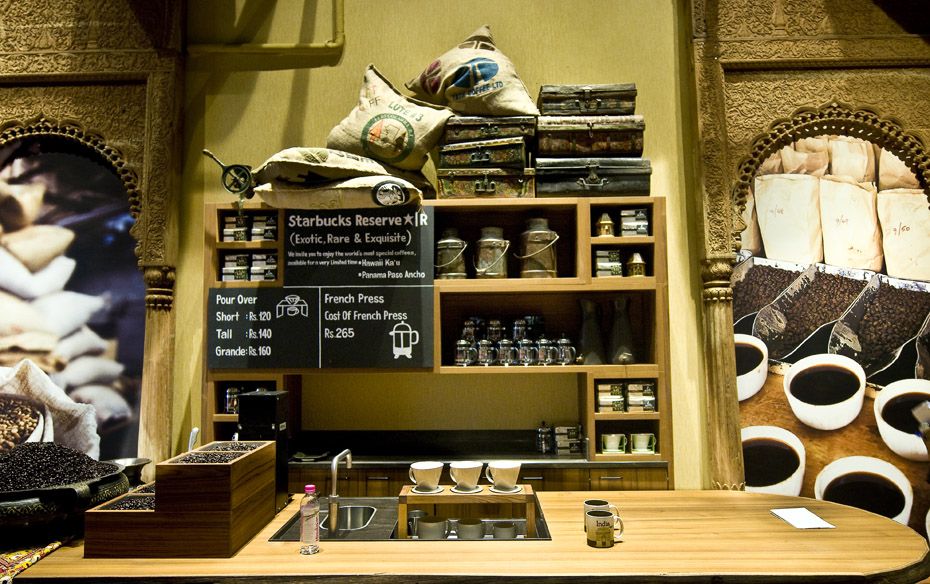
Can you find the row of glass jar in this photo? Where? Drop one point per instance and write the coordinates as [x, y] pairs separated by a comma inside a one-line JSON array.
[[507, 353]]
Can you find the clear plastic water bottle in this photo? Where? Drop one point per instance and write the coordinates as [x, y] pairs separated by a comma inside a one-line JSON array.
[[309, 521]]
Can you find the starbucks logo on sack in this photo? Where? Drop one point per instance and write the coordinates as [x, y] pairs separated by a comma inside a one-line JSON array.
[[388, 137], [478, 70], [389, 193]]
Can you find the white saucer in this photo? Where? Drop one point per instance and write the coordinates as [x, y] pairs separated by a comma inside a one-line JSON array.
[[606, 451], [642, 451], [422, 492], [466, 491], [516, 489]]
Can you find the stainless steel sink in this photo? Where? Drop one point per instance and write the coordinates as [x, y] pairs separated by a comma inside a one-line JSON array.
[[350, 517]]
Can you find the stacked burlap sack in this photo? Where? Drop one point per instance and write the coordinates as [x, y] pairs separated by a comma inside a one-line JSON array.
[[375, 156], [841, 201], [44, 323]]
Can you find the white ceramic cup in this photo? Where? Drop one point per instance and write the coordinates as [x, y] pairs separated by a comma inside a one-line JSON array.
[[790, 485], [829, 416], [598, 505], [425, 474], [469, 528], [910, 446], [867, 464], [615, 442], [465, 473], [432, 527], [643, 442], [504, 530], [503, 474], [748, 384], [603, 528]]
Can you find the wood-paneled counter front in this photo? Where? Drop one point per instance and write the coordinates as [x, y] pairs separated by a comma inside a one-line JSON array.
[[693, 536]]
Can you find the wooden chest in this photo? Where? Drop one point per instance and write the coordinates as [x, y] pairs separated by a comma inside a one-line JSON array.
[[590, 135], [556, 177], [499, 153], [489, 183], [616, 99], [471, 128]]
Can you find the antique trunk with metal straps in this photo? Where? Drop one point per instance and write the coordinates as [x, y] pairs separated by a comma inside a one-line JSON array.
[[617, 99], [471, 128], [556, 177], [500, 153], [590, 135], [490, 183]]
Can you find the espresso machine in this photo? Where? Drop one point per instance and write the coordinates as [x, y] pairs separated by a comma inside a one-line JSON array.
[[263, 416]]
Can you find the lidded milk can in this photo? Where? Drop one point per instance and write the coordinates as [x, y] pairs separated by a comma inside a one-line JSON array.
[[537, 250], [491, 257], [450, 255]]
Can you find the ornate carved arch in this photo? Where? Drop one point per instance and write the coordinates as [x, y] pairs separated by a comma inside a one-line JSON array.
[[834, 119]]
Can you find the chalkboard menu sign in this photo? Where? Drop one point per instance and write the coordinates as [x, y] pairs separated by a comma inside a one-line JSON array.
[[357, 293]]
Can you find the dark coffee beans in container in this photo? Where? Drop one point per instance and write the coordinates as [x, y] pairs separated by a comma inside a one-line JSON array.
[[893, 317], [865, 490], [209, 457], [42, 465], [761, 285], [768, 461], [231, 447], [822, 385], [133, 503]]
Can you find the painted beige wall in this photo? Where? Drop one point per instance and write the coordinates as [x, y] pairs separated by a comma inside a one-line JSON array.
[[244, 114]]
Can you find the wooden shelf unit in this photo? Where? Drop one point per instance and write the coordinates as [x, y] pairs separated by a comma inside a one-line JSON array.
[[574, 219]]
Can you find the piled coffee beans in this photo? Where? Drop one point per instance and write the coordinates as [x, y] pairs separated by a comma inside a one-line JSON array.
[[823, 300], [131, 503], [17, 421], [761, 286], [209, 457], [41, 465], [893, 317], [231, 447], [147, 489]]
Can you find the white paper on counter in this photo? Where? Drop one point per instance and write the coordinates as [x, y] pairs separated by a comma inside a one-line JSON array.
[[802, 518]]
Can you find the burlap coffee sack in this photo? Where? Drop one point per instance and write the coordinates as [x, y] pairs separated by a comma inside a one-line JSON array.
[[389, 127], [474, 78], [788, 207], [363, 192], [905, 219], [852, 237], [893, 173], [37, 245]]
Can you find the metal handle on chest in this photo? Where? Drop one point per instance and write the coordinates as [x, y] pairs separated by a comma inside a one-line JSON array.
[[592, 181], [485, 185], [480, 156], [489, 130]]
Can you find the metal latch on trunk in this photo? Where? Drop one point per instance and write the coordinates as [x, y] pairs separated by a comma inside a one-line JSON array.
[[592, 181]]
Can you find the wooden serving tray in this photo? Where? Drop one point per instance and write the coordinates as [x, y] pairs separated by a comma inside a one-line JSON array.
[[486, 496]]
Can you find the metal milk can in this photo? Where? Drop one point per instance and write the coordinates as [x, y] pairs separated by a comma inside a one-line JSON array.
[[491, 257], [450, 256], [537, 250]]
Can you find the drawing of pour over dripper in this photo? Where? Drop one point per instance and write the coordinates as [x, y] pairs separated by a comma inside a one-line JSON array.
[[292, 305]]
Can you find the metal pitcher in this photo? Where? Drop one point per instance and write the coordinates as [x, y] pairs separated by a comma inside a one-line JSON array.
[[491, 257], [537, 250], [450, 256]]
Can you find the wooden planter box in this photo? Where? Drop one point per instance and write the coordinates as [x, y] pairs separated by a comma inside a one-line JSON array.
[[202, 509]]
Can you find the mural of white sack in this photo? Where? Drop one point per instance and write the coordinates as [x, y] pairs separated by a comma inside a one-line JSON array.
[[852, 237], [894, 174], [29, 341], [813, 144], [751, 237], [813, 163], [852, 158], [16, 278], [86, 370], [904, 216], [109, 406], [18, 316], [37, 245], [65, 312], [788, 208], [82, 342], [20, 204]]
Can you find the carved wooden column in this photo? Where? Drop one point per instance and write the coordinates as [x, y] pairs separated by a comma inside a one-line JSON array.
[[155, 411]]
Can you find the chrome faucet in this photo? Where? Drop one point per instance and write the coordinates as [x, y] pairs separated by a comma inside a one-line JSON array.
[[334, 496]]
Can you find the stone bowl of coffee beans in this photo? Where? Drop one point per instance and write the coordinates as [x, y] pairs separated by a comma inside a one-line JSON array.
[[22, 420]]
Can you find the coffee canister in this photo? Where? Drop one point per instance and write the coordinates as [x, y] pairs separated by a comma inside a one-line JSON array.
[[491, 257], [537, 250], [450, 256]]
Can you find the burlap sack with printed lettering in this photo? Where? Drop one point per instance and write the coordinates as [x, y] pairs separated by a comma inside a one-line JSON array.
[[361, 192], [308, 166], [849, 218], [475, 78], [788, 207], [894, 174], [853, 158], [905, 221], [389, 127]]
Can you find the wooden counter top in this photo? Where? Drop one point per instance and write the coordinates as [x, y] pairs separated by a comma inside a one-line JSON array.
[[703, 535]]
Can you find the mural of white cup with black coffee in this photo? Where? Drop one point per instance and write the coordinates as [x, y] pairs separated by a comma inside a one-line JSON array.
[[752, 360], [868, 483], [825, 391], [773, 459], [897, 425]]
